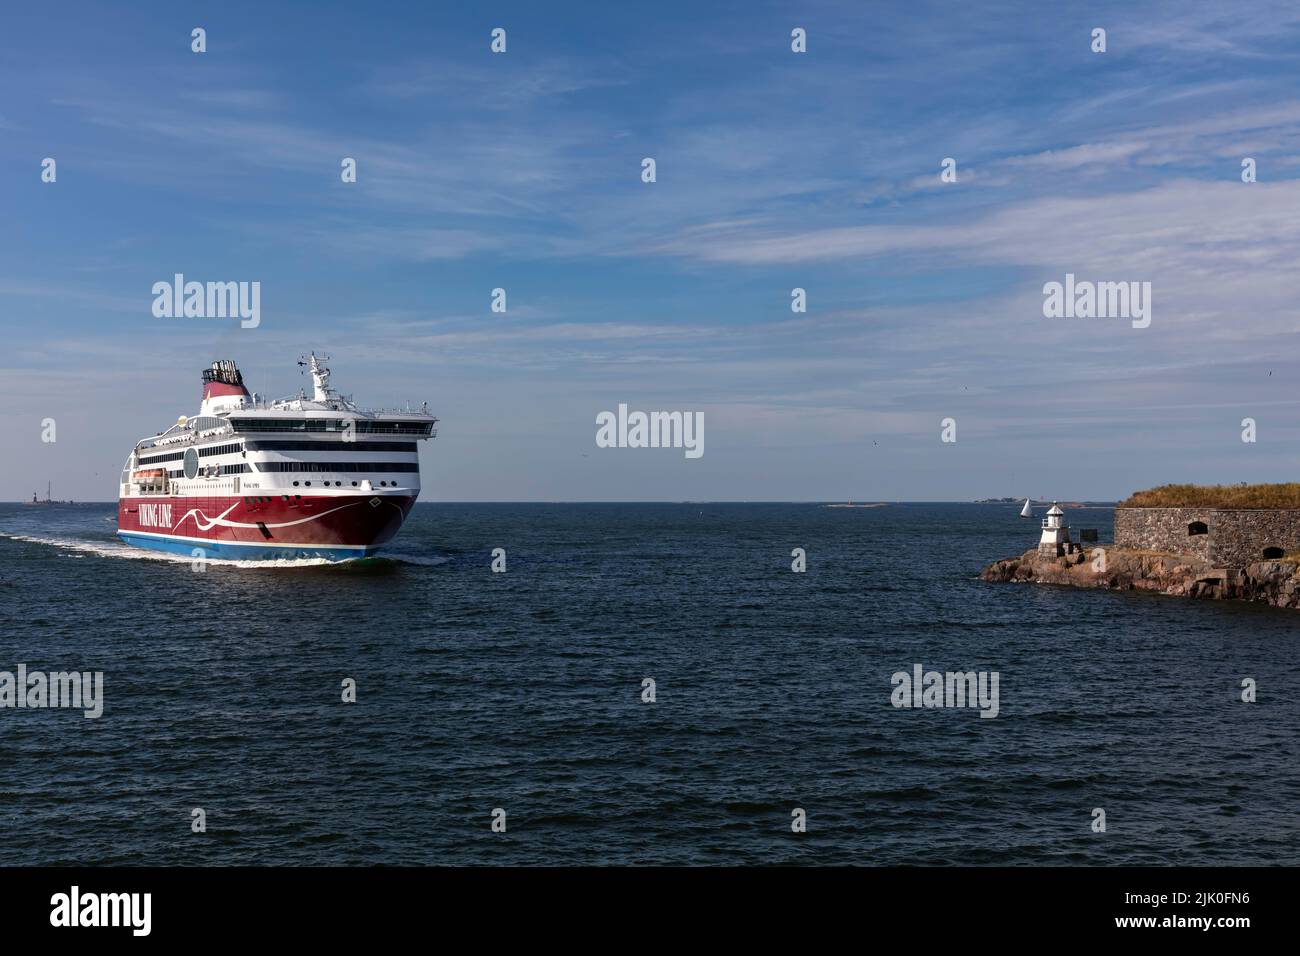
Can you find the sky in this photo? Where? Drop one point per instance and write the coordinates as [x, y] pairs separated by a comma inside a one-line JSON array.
[[775, 170]]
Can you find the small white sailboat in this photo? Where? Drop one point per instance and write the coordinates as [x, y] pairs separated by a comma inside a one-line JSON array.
[[1026, 511]]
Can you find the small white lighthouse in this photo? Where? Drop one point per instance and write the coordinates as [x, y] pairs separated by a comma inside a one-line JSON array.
[[1056, 533]]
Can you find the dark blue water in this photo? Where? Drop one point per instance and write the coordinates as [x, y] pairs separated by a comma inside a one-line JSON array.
[[522, 691]]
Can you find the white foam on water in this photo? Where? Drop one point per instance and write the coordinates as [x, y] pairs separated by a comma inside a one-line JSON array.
[[116, 549], [108, 549]]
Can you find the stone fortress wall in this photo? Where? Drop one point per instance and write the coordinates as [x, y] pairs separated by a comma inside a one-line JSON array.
[[1225, 536]]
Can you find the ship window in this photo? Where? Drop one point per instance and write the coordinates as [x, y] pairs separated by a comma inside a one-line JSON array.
[[219, 450], [295, 484], [1273, 552], [362, 426], [339, 466], [1197, 527], [320, 444]]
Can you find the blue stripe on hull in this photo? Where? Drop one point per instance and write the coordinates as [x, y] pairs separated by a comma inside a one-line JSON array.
[[233, 551]]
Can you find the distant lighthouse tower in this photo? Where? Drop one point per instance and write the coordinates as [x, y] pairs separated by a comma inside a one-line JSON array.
[[1056, 534]]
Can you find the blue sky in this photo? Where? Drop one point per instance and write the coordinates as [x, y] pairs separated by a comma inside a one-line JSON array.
[[775, 170]]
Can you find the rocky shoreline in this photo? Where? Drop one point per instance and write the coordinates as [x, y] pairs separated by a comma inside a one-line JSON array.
[[1270, 582]]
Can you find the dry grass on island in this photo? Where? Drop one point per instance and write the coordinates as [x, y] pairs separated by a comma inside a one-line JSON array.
[[1216, 496]]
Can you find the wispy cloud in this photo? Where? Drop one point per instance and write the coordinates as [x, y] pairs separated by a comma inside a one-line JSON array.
[[775, 170]]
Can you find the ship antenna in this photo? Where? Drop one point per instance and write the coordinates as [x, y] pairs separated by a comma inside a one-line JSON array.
[[320, 376]]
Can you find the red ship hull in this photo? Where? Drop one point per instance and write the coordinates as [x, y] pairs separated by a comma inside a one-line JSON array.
[[265, 527]]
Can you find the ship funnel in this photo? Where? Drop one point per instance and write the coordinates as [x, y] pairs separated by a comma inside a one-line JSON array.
[[223, 387]]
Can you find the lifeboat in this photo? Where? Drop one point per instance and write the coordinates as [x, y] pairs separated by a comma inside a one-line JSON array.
[[146, 474]]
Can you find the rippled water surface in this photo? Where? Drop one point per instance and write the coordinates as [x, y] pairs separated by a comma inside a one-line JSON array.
[[523, 691]]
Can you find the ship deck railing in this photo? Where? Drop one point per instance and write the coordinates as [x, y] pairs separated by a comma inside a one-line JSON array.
[[157, 441], [310, 405]]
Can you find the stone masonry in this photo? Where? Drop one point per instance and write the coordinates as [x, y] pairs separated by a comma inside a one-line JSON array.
[[1231, 537]]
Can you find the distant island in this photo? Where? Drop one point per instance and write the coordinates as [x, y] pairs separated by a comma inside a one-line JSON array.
[[850, 504], [1043, 503]]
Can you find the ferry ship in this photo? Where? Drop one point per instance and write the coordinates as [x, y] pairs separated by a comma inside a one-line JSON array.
[[288, 479]]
